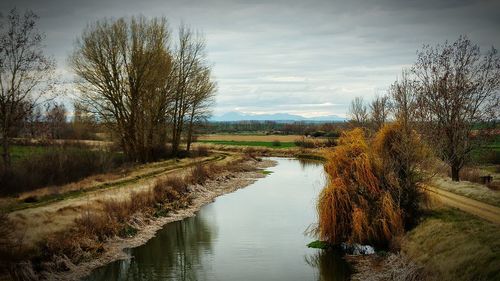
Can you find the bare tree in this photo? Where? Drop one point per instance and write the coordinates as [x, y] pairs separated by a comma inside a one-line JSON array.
[[404, 103], [458, 87], [379, 111], [33, 123], [84, 122], [55, 117], [202, 92], [189, 56], [25, 72], [124, 69], [358, 112]]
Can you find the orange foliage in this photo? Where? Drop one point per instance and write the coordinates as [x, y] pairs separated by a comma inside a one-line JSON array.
[[350, 163], [361, 202]]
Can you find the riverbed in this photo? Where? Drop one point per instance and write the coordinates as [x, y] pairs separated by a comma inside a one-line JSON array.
[[255, 233]]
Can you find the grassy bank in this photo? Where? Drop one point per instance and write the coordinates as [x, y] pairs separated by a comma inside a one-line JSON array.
[[120, 216], [453, 245]]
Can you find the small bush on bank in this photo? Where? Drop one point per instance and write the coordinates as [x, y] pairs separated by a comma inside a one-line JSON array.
[[470, 174], [276, 143], [302, 142], [200, 151], [199, 174], [330, 142]]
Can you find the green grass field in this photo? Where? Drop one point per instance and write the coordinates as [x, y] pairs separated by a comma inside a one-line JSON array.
[[19, 152], [251, 143]]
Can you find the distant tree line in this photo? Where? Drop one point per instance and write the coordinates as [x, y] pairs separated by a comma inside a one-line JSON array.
[[53, 121], [450, 90], [315, 129]]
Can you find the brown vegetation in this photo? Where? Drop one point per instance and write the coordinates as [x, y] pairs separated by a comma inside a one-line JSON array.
[[114, 218], [372, 194]]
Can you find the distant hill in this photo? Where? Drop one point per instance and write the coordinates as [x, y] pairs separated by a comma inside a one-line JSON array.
[[238, 116]]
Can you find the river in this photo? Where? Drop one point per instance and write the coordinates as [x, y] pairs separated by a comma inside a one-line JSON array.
[[255, 233]]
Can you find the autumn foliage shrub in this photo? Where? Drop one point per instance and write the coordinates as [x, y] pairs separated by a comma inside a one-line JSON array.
[[371, 193]]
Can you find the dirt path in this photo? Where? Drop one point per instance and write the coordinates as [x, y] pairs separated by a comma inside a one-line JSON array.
[[474, 207], [55, 215]]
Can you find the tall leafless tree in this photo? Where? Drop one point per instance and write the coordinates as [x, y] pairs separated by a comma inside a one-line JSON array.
[[189, 57], [55, 118], [404, 105], [202, 92], [458, 87], [125, 68], [25, 73], [379, 111], [358, 112]]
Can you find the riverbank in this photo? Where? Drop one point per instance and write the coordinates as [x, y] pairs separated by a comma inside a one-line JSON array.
[[226, 182], [447, 245], [61, 267]]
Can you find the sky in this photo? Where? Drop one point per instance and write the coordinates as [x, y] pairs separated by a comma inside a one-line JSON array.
[[305, 57]]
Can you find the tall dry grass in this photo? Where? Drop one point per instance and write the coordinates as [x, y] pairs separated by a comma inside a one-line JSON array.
[[118, 218]]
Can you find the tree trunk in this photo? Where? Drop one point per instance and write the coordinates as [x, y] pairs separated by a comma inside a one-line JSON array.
[[455, 172], [190, 131], [6, 152]]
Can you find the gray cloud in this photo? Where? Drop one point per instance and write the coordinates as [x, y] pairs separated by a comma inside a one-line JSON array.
[[307, 57]]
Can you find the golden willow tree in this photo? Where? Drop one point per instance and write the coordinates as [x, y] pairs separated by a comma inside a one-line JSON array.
[[138, 84], [372, 190]]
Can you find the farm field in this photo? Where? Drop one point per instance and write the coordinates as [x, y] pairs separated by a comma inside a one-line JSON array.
[[249, 138], [270, 144], [19, 152]]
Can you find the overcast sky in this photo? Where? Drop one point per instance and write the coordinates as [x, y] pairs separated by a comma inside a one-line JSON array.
[[295, 56]]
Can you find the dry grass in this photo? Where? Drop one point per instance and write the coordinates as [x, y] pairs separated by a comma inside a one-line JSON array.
[[395, 267], [472, 190], [117, 217], [453, 245]]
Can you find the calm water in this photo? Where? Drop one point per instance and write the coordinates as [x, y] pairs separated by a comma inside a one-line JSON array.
[[255, 233]]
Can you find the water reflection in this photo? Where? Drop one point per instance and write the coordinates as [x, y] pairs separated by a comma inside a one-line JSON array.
[[330, 265], [305, 163], [256, 233], [175, 253]]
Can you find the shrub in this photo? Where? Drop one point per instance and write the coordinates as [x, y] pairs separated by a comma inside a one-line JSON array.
[[330, 142], [302, 142], [368, 197], [276, 143], [470, 174], [199, 174], [318, 134], [333, 134], [201, 151], [56, 166]]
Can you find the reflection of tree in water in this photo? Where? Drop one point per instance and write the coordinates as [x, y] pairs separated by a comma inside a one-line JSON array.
[[330, 264], [306, 163], [175, 253]]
